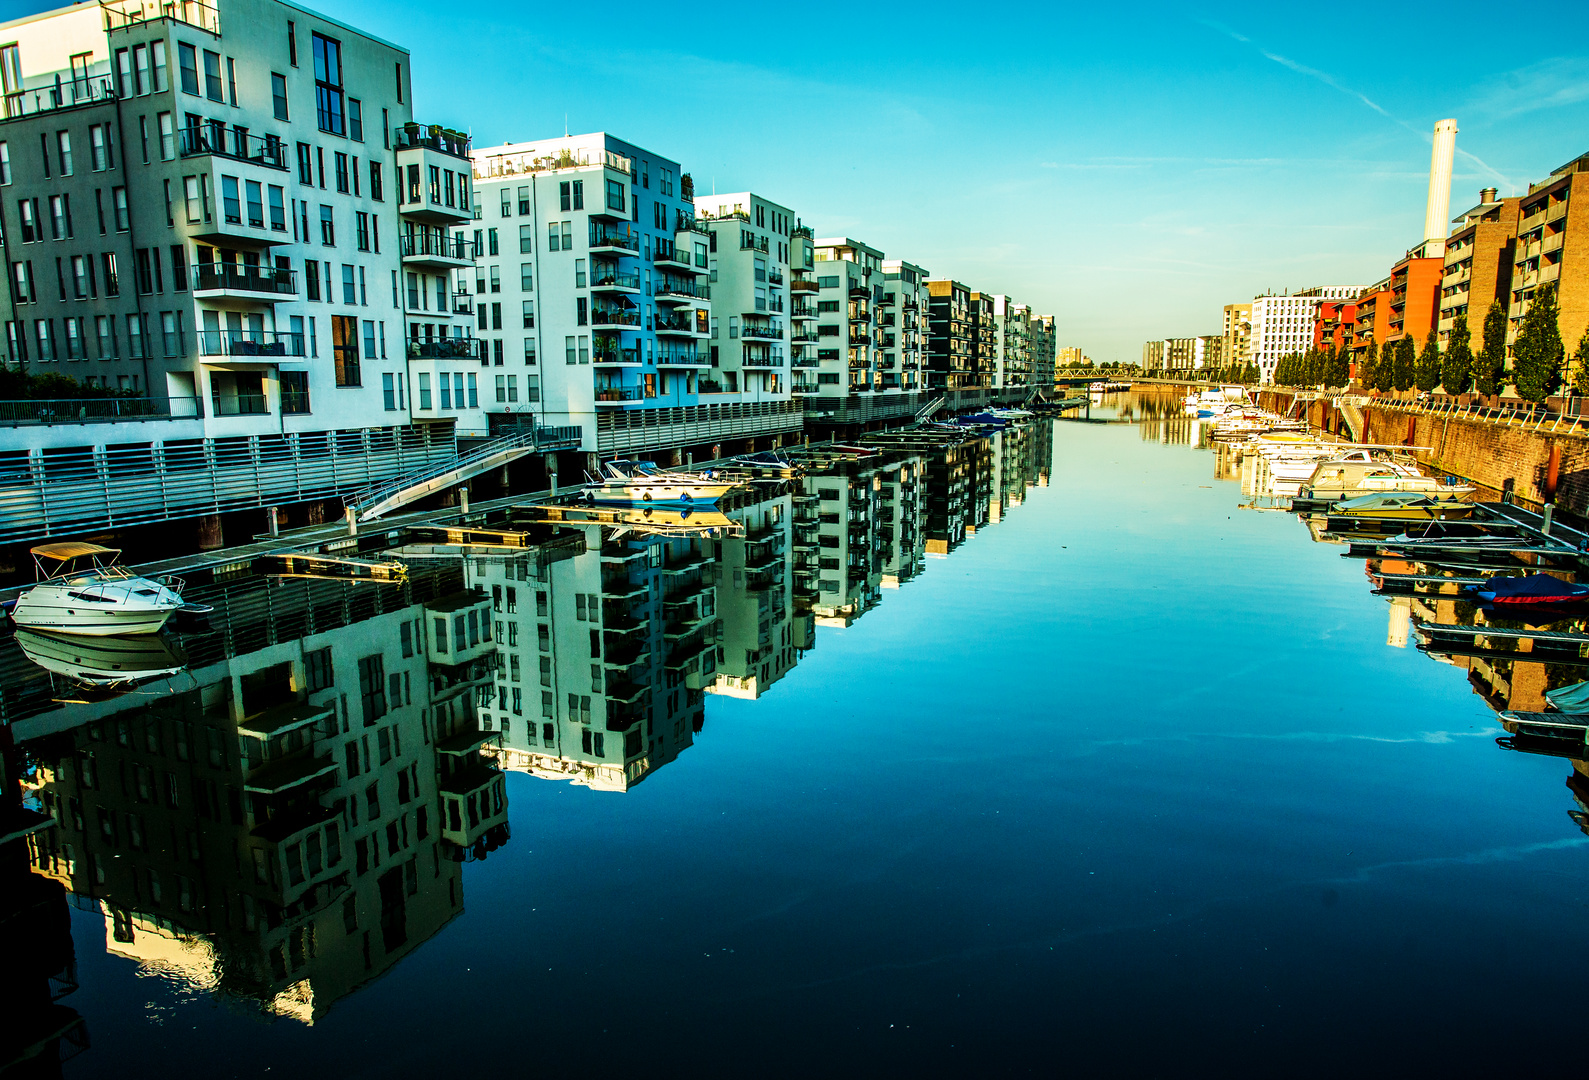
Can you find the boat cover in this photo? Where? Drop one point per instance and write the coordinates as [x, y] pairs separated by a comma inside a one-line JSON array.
[[1570, 699], [1531, 589]]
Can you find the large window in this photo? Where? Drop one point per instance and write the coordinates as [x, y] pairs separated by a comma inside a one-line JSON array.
[[295, 395], [345, 346], [328, 84], [615, 200]]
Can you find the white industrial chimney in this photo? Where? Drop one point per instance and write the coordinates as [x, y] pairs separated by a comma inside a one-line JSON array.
[[1436, 222]]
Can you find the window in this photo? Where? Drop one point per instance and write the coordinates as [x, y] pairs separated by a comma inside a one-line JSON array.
[[188, 68], [5, 162], [377, 191], [278, 95], [527, 277], [231, 205], [345, 347], [119, 201], [527, 239], [328, 229], [615, 196], [212, 76], [278, 209], [529, 353], [340, 165], [328, 84], [355, 120], [63, 148], [491, 243], [256, 203], [529, 314]]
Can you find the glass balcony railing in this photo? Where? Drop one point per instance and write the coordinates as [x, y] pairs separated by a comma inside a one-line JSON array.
[[615, 318], [266, 150], [618, 238], [618, 393], [607, 279], [256, 279], [248, 343], [451, 348], [239, 405], [439, 245]]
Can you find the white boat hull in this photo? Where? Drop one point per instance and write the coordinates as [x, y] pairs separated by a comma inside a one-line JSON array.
[[51, 606], [629, 494]]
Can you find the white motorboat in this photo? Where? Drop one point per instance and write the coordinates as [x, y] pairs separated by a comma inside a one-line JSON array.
[[1360, 473], [630, 482], [82, 590]]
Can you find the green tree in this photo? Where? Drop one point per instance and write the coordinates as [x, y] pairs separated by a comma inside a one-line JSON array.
[[1456, 369], [1340, 368], [1385, 370], [1401, 364], [1580, 384], [1367, 375], [1490, 367], [1426, 370], [1537, 354]]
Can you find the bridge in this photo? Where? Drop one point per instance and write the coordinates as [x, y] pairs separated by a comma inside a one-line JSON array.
[[372, 502]]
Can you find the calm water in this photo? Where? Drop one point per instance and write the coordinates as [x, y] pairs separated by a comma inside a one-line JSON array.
[[1127, 783]]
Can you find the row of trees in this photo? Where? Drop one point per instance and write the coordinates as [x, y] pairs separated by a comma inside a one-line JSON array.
[[1539, 360], [17, 385]]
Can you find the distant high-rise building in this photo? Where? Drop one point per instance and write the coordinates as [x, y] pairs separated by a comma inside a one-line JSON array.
[[1236, 347], [1283, 325]]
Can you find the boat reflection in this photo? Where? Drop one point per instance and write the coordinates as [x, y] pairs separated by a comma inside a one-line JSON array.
[[118, 661]]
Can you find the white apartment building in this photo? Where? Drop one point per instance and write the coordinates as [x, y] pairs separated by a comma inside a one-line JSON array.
[[206, 205], [760, 641], [589, 242], [850, 282], [1012, 356], [903, 315], [1282, 325], [748, 260], [1236, 329]]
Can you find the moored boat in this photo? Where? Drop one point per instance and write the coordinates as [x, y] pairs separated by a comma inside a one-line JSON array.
[[630, 482], [102, 661], [1530, 589], [83, 590]]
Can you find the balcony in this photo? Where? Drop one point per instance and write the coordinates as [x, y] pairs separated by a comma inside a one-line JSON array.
[[683, 358], [611, 280], [619, 241], [267, 151], [804, 361], [616, 358], [676, 325], [437, 250], [442, 158], [105, 410], [277, 777], [769, 331], [804, 285], [432, 137], [250, 345], [614, 319], [675, 260], [760, 359], [802, 312], [462, 304], [230, 404], [66, 95], [682, 291], [804, 333], [618, 395], [473, 803], [774, 276], [229, 281], [445, 348]]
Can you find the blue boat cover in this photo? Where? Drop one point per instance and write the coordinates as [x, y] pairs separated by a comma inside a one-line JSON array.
[[1531, 589], [1570, 699]]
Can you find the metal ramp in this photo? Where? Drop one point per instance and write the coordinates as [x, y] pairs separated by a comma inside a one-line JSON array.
[[931, 409], [371, 503]]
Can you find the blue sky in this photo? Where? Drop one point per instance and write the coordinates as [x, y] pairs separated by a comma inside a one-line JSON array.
[[1129, 168]]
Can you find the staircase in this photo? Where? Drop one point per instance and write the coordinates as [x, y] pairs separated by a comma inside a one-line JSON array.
[[929, 410], [371, 503], [1354, 417]]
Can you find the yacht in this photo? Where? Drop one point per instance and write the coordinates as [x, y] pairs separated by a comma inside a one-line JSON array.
[[629, 482], [82, 590], [1360, 473]]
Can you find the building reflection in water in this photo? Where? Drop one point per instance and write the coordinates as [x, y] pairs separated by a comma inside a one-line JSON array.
[[275, 806], [287, 819]]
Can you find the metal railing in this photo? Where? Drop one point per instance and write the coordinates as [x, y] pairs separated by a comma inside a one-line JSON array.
[[615, 318], [618, 238], [674, 287], [682, 357], [238, 404], [448, 348], [259, 279], [618, 393], [267, 150], [250, 343], [67, 95], [125, 16], [106, 410], [666, 428], [684, 325], [439, 245], [615, 356], [603, 279], [362, 501], [412, 136]]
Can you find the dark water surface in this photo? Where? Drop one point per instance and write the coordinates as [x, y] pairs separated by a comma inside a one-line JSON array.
[[1129, 783]]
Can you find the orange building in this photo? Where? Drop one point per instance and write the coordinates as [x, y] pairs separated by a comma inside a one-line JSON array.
[[1334, 323], [1371, 321], [1414, 297]]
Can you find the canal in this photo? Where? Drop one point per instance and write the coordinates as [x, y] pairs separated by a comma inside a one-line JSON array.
[[1039, 756]]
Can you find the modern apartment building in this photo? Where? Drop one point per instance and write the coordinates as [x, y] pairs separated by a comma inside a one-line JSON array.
[[1415, 296], [1282, 325], [1334, 323], [1067, 355], [903, 316], [984, 338], [1012, 354], [803, 314], [1236, 330], [1153, 355], [603, 648], [849, 340], [207, 206], [748, 260], [1478, 263], [1553, 246], [952, 340], [1045, 351], [1371, 321]]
